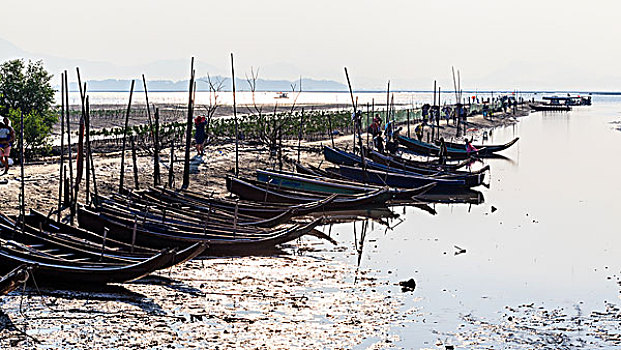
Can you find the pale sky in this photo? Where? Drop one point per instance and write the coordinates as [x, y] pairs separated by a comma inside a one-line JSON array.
[[495, 44]]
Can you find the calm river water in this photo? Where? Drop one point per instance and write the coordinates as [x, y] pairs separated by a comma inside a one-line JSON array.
[[542, 251]]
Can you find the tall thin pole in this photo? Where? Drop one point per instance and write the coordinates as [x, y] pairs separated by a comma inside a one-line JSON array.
[[171, 172], [387, 110], [22, 204], [129, 109], [300, 133], [408, 113], [146, 96], [330, 127], [80, 155], [387, 101], [368, 123], [351, 93], [156, 149], [62, 144], [188, 129], [88, 144], [87, 152], [135, 162], [438, 118], [235, 116], [71, 192]]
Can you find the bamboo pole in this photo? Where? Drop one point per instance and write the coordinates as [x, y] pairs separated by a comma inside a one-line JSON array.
[[129, 108], [135, 162], [87, 152], [156, 149], [71, 189], [351, 93], [438, 117], [90, 153], [22, 199], [235, 116], [368, 124], [387, 112], [330, 126], [146, 96], [188, 129], [408, 114], [62, 145], [300, 133], [171, 174]]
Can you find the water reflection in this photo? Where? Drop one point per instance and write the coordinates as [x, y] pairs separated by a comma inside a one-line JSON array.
[[544, 240]]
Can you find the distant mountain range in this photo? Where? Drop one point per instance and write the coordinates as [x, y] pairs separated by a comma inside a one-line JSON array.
[[203, 85], [166, 69]]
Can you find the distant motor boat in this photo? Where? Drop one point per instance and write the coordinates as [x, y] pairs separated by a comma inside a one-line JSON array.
[[568, 100], [282, 95]]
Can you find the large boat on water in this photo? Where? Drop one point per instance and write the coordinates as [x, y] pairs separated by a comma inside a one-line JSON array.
[[568, 100], [560, 103]]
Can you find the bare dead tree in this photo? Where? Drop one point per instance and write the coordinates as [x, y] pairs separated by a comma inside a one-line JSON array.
[[215, 87]]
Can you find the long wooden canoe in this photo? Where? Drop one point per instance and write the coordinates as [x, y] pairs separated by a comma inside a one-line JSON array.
[[326, 185], [262, 210], [336, 156], [484, 150], [57, 272], [424, 148], [271, 194], [218, 245]]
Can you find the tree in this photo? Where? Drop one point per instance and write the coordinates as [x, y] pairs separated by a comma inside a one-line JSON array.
[[25, 88]]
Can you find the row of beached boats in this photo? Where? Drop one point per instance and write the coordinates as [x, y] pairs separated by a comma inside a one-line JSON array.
[[129, 235]]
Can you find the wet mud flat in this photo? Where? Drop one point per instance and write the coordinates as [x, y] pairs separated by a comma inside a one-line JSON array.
[[277, 302]]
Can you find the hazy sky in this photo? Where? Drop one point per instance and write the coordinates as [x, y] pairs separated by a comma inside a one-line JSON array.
[[496, 44]]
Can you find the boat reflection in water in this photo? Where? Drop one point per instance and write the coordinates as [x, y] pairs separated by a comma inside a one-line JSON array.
[[466, 197]]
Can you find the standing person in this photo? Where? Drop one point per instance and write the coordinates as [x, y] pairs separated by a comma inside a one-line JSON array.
[[419, 131], [469, 147], [7, 136], [199, 136], [375, 129], [442, 152]]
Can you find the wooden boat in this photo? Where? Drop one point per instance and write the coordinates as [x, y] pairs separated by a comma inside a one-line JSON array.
[[245, 189], [59, 271], [219, 244], [453, 196], [262, 210], [189, 211], [434, 163], [398, 180], [326, 185], [53, 247], [105, 247], [396, 162], [336, 156], [424, 148], [485, 150], [14, 278]]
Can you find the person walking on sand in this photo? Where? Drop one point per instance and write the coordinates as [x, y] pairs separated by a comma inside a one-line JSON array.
[[7, 136], [200, 122]]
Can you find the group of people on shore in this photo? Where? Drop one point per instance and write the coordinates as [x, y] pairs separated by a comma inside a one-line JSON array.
[[389, 131]]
